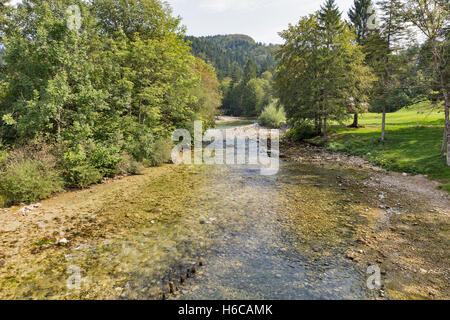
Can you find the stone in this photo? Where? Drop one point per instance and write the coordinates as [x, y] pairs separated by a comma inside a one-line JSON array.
[[63, 241]]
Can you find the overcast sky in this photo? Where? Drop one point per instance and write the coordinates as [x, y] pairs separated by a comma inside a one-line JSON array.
[[260, 19]]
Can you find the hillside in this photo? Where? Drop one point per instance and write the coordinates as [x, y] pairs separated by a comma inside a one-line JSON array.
[[227, 52]]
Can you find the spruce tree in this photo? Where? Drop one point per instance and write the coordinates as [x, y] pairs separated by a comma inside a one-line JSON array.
[[392, 32], [360, 15]]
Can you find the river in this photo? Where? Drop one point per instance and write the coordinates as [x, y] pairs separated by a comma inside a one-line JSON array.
[[207, 232]]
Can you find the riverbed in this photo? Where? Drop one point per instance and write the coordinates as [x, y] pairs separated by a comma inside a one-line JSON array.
[[227, 232]]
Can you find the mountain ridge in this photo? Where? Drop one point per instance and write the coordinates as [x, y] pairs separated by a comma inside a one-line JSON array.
[[230, 53]]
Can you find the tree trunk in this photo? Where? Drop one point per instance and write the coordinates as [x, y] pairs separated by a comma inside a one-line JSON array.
[[325, 131], [447, 116], [383, 125], [318, 125], [355, 121], [448, 132], [444, 140], [437, 62], [448, 146]]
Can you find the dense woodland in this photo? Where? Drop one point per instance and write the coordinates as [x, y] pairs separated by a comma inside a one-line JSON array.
[[244, 68], [92, 94], [229, 54]]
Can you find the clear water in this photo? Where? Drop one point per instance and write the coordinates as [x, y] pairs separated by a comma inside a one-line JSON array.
[[258, 237]]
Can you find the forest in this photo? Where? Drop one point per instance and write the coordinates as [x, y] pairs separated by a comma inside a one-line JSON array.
[[229, 54], [93, 92], [244, 68]]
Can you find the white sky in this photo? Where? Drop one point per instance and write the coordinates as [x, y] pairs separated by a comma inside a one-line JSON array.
[[260, 19]]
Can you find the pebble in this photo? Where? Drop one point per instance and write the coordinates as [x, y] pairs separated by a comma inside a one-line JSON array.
[[63, 241]]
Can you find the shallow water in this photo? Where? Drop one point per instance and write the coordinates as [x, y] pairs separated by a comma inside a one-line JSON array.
[[257, 237]]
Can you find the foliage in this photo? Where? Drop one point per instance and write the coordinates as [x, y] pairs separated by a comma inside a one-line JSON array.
[[120, 84], [247, 95], [28, 174], [321, 74], [360, 15], [272, 116], [229, 54], [128, 165], [301, 131]]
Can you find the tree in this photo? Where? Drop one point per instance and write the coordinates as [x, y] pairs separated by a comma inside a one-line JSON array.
[[236, 72], [207, 92], [150, 19], [49, 78], [249, 71], [222, 51], [392, 30], [4, 9], [321, 68], [360, 16], [431, 17], [119, 83]]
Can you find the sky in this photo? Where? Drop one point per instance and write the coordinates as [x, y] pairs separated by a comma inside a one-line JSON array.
[[260, 19]]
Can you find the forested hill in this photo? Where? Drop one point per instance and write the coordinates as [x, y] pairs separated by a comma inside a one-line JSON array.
[[230, 53]]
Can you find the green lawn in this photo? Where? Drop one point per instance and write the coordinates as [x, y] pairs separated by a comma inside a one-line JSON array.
[[413, 141]]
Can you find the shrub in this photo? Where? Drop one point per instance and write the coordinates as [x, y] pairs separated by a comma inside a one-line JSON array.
[[301, 131], [130, 165], [272, 116], [150, 151], [161, 152], [29, 174], [78, 172], [82, 176], [106, 160]]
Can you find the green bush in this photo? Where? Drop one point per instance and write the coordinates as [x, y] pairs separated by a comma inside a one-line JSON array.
[[161, 153], [130, 165], [301, 131], [150, 151], [82, 176], [272, 116], [28, 180], [78, 172], [106, 160]]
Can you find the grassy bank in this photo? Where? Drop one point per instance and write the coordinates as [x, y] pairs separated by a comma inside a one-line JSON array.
[[413, 141]]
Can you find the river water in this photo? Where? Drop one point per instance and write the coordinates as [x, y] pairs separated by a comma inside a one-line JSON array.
[[247, 236]]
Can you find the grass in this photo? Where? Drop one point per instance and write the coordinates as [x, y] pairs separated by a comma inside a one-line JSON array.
[[412, 145]]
